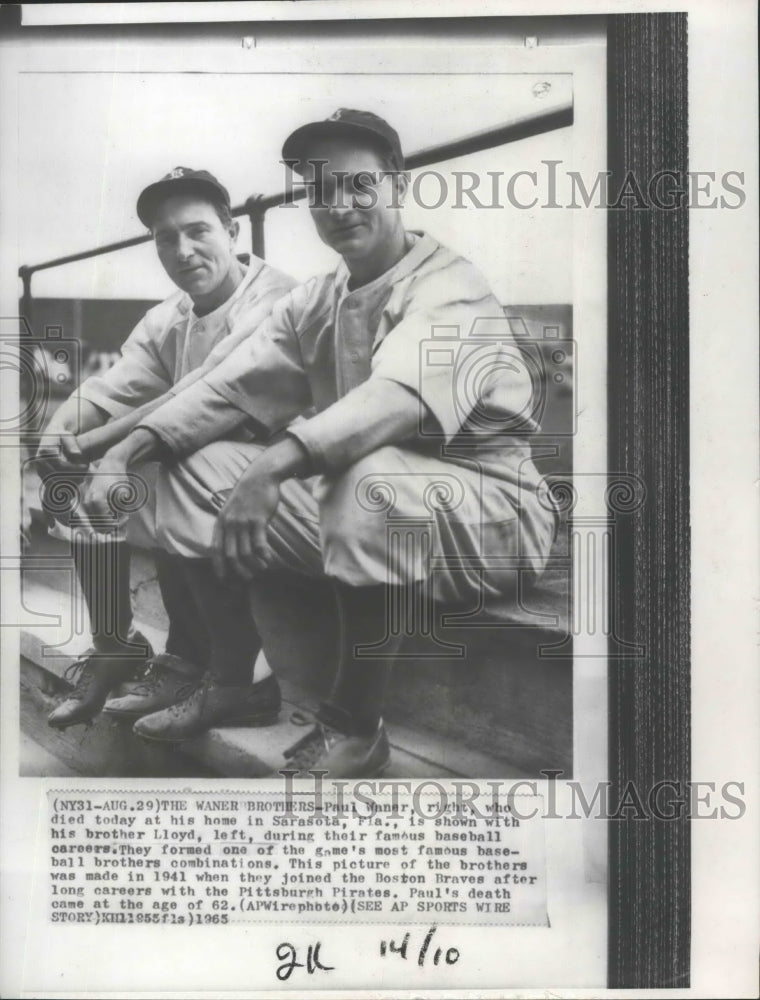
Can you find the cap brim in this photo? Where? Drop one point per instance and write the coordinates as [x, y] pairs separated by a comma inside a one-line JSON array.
[[296, 146], [155, 193]]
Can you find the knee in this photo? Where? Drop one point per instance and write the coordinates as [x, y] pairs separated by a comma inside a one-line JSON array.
[[355, 505], [190, 495], [220, 458]]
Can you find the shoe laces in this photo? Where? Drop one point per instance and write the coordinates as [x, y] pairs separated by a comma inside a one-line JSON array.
[[187, 696], [80, 675], [308, 750], [153, 675]]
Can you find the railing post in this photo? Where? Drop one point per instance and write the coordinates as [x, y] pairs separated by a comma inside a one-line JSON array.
[[25, 273], [256, 212]]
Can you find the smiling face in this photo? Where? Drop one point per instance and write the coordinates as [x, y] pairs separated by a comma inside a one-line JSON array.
[[196, 249], [359, 219]]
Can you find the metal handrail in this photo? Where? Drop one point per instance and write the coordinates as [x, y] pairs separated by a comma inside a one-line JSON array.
[[257, 206]]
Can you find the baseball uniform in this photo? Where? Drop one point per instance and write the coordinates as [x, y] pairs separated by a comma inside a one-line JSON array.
[[466, 480], [171, 342], [167, 350]]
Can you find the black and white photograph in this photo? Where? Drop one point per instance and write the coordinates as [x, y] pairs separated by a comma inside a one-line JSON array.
[[426, 589], [361, 580]]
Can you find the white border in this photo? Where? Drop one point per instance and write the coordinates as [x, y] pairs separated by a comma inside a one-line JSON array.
[[577, 953]]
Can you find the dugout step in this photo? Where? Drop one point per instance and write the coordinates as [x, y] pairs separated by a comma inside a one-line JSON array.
[[108, 747], [505, 700]]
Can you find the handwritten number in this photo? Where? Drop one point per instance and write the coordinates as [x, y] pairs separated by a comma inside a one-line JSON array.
[[425, 946], [399, 949], [288, 955], [450, 956]]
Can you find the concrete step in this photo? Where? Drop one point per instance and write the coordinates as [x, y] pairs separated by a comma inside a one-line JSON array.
[[481, 680], [108, 747], [36, 762]]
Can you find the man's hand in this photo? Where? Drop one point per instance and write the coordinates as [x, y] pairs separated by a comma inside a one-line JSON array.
[[111, 480], [240, 536], [59, 450]]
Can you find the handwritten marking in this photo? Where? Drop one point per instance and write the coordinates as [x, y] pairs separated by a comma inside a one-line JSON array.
[[288, 955], [392, 947]]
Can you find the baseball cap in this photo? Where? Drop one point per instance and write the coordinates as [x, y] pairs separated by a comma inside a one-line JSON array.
[[344, 121], [179, 181]]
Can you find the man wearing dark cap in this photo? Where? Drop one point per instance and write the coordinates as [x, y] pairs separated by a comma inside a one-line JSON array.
[[413, 479], [221, 300]]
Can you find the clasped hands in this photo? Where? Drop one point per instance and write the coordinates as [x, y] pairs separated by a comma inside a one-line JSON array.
[[239, 544]]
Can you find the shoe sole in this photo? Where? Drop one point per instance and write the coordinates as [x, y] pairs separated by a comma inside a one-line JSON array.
[[118, 713], [138, 713], [67, 723], [84, 721], [249, 721]]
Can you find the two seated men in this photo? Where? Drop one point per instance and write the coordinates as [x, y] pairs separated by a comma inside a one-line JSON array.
[[282, 455]]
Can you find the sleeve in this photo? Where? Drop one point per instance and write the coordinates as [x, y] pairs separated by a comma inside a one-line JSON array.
[[194, 417], [136, 378], [262, 379], [346, 431], [450, 347]]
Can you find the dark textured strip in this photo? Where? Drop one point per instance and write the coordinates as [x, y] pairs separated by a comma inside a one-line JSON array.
[[649, 896]]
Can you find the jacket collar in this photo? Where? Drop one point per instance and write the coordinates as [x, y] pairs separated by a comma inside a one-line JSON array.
[[254, 266], [424, 246]]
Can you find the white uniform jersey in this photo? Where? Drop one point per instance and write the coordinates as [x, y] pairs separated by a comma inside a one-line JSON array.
[[170, 342]]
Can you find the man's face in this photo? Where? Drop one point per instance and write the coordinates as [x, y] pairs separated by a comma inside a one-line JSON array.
[[356, 218], [194, 247]]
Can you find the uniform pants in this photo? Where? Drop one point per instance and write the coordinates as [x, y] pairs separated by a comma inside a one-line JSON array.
[[396, 517]]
